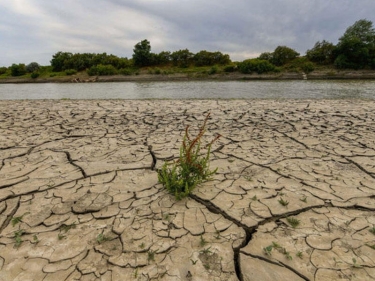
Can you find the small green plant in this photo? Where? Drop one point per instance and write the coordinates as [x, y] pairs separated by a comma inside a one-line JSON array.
[[136, 273], [355, 264], [61, 236], [287, 254], [202, 241], [17, 238], [193, 262], [206, 251], [67, 227], [303, 199], [182, 176], [101, 238], [283, 202], [151, 255], [293, 221], [299, 254], [276, 245], [372, 230], [268, 250], [142, 245], [254, 198], [16, 220], [35, 239]]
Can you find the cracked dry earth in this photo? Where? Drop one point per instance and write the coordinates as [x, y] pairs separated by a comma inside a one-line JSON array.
[[293, 198]]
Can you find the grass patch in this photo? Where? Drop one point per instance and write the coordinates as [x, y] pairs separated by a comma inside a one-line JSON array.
[[293, 222]]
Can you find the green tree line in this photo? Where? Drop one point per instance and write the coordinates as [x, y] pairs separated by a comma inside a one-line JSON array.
[[355, 50]]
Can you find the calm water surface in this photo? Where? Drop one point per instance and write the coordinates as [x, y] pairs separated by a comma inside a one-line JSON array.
[[193, 90]]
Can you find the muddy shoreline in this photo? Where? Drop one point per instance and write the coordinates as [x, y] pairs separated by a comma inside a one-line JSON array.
[[293, 197], [316, 75]]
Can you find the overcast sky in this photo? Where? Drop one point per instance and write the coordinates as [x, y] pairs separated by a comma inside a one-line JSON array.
[[34, 30]]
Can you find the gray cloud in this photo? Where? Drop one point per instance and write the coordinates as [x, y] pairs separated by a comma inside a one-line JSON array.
[[33, 30]]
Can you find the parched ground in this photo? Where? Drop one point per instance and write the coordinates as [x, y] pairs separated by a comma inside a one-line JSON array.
[[293, 198]]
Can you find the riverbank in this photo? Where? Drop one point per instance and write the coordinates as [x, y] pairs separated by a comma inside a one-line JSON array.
[[231, 76], [293, 198]]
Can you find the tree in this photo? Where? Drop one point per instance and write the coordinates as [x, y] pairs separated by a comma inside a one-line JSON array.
[[182, 58], [321, 53], [266, 56], [256, 65], [142, 54], [18, 69], [363, 30], [33, 66], [205, 58], [356, 48], [59, 61], [282, 55]]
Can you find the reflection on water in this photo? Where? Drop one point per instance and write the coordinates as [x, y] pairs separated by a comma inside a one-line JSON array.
[[333, 89]]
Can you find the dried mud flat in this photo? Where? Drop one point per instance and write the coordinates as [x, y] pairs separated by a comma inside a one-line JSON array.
[[293, 199]]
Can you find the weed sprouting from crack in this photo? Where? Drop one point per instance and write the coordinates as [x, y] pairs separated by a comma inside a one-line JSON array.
[[202, 241], [286, 254], [67, 227], [372, 230], [293, 221], [182, 176], [151, 255], [268, 250], [283, 202], [16, 220], [206, 251], [299, 254], [355, 264], [17, 238], [102, 238]]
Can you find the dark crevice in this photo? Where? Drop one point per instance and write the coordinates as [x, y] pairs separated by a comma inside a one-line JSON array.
[[9, 217]]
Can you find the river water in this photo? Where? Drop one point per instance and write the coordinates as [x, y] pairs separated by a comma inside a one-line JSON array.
[[300, 89]]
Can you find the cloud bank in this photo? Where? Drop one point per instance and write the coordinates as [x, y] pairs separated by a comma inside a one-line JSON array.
[[34, 30]]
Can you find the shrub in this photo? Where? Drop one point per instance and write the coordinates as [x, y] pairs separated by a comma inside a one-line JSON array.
[[182, 176], [282, 55], [18, 69], [102, 70], [230, 68], [33, 66], [213, 70], [256, 65], [70, 71], [3, 70], [34, 75], [125, 71], [308, 67]]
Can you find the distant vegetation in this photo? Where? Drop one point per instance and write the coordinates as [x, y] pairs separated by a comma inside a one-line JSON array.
[[355, 50]]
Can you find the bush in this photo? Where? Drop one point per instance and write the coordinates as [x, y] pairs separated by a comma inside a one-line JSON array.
[[102, 70], [34, 75], [230, 68], [308, 67], [33, 66], [125, 71], [192, 168], [256, 65], [3, 70], [70, 71], [282, 55], [213, 70], [18, 69]]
